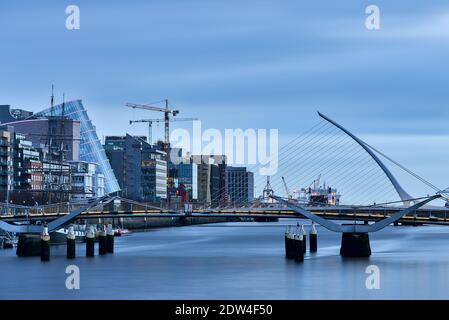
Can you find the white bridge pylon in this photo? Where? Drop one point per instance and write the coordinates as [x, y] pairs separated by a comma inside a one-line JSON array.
[[404, 195]]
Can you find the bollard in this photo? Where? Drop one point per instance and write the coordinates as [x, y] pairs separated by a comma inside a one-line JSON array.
[[290, 245], [71, 243], [110, 239], [313, 239], [286, 241], [304, 241], [45, 245], [90, 242], [299, 247], [102, 242]]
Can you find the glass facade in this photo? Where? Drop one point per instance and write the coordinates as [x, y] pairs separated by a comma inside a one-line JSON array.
[[91, 149], [188, 176], [240, 184]]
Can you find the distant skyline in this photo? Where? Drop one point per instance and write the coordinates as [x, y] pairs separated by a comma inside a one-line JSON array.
[[243, 64]]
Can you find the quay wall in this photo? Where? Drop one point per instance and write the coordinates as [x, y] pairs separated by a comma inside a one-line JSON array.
[[150, 223]]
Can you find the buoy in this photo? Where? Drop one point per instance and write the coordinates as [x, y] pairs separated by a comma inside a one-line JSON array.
[[90, 242], [313, 239], [45, 245], [110, 239], [102, 242], [299, 247], [304, 241], [71, 243]]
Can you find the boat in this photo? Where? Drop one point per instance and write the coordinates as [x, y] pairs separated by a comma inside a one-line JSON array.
[[118, 232], [8, 243], [317, 195]]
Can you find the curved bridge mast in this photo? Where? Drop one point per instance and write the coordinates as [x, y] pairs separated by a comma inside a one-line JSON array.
[[404, 195]]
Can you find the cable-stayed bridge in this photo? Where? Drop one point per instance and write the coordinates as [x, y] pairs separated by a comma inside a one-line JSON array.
[[334, 174]]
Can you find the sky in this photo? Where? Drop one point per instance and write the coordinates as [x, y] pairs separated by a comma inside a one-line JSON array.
[[243, 64]]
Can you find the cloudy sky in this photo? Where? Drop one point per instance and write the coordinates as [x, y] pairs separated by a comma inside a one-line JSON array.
[[248, 64]]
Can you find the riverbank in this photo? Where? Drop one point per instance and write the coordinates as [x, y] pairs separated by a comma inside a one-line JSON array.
[[145, 223]]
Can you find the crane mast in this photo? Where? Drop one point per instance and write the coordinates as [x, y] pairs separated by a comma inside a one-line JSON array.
[[286, 189], [166, 112], [151, 121]]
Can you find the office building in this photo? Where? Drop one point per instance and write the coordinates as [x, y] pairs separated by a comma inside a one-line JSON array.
[[212, 178], [5, 161], [26, 164], [90, 147], [86, 182], [59, 137], [240, 185], [141, 169]]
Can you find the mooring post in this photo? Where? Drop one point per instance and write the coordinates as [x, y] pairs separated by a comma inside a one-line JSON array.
[[110, 239], [45, 245], [90, 242], [299, 246], [286, 241], [290, 244], [102, 242], [313, 238], [71, 247], [304, 239]]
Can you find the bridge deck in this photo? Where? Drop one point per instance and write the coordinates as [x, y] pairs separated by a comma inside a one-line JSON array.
[[423, 216]]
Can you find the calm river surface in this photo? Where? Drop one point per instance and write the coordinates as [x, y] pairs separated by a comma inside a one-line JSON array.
[[237, 261]]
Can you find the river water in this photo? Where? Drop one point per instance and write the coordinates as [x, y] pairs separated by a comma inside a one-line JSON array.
[[237, 261]]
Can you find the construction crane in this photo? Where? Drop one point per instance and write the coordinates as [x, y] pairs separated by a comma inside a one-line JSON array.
[[286, 189], [151, 121], [166, 112]]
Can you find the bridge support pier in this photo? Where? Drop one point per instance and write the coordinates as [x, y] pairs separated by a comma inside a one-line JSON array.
[[355, 245], [29, 245]]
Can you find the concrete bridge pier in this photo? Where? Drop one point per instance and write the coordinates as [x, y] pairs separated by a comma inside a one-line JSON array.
[[29, 245], [355, 245]]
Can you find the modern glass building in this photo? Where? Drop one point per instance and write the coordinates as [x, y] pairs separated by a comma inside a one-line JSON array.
[[188, 176], [91, 149], [240, 184], [141, 168]]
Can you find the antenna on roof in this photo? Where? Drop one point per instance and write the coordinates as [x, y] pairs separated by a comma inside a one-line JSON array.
[[63, 105], [52, 100]]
